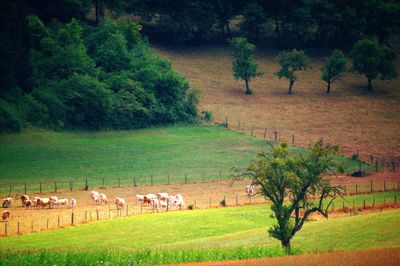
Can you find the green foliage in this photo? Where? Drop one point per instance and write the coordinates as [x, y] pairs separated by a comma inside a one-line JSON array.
[[190, 207], [254, 21], [290, 63], [373, 61], [280, 176], [10, 118], [86, 77], [333, 68], [244, 67], [207, 115], [223, 203]]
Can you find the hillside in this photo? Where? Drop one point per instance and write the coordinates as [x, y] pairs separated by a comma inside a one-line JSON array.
[[350, 116]]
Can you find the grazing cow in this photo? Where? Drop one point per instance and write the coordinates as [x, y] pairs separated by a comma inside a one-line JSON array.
[[119, 203], [73, 203], [148, 198], [171, 201], [6, 215], [163, 203], [103, 198], [94, 194], [139, 197], [250, 190], [24, 199], [7, 202], [155, 203], [96, 199], [178, 202], [53, 201], [35, 201], [162, 196], [43, 202], [28, 203], [61, 202]]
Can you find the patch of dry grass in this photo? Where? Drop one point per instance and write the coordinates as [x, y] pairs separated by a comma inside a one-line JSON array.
[[350, 116]]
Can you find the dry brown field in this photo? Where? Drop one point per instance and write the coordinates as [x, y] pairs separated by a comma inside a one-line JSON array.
[[384, 256], [349, 116]]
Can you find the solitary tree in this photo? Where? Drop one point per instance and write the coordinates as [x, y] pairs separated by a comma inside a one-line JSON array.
[[244, 67], [290, 63], [334, 67], [373, 61], [295, 186]]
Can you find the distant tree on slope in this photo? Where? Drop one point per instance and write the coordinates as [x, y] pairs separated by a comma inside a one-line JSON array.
[[244, 67], [292, 62], [333, 68]]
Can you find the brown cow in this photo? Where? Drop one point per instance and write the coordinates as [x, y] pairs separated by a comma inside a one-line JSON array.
[[6, 215], [7, 202], [24, 199]]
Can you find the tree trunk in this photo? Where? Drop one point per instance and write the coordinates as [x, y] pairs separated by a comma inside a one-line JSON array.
[[228, 30], [97, 12], [290, 87], [248, 90], [329, 87], [286, 244], [370, 84]]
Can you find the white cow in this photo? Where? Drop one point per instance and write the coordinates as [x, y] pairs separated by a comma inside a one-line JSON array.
[[103, 198], [61, 202], [119, 203], [73, 203], [250, 190]]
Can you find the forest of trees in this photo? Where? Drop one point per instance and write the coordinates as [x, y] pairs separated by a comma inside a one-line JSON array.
[[82, 64], [65, 73]]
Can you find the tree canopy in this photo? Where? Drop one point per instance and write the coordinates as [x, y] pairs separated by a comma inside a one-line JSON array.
[[333, 68], [373, 61], [244, 67], [295, 186], [290, 63]]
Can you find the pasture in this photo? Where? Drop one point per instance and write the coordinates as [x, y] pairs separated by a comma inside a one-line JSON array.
[[212, 234], [349, 116], [113, 158]]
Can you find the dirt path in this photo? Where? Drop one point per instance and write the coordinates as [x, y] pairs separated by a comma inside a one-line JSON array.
[[388, 256]]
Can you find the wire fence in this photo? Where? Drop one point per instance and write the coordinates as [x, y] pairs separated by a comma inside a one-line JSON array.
[[276, 134]]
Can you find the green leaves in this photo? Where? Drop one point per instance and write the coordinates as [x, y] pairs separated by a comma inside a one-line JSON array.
[[244, 67], [373, 61], [334, 67]]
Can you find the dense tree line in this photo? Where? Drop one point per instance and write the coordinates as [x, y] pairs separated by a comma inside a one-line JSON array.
[[336, 23], [64, 73]]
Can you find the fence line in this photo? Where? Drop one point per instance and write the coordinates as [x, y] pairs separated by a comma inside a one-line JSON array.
[[277, 134], [103, 212]]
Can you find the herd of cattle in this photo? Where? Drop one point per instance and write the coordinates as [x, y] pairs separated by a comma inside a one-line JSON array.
[[157, 201]]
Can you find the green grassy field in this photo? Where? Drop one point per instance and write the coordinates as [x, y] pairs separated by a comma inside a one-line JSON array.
[[212, 234], [39, 155]]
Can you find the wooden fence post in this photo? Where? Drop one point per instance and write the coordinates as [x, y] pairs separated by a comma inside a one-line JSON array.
[[356, 189], [204, 176], [238, 127], [47, 224], [252, 129], [293, 140], [384, 185], [119, 182], [127, 209], [371, 187], [25, 188], [364, 204], [276, 136], [398, 185], [40, 187], [185, 178], [168, 179], [236, 200], [243, 126], [265, 133], [103, 182], [373, 202], [85, 216], [220, 175], [72, 218], [55, 186], [86, 184], [226, 121], [209, 202], [151, 179], [58, 221], [134, 181], [6, 228], [376, 165], [195, 204], [18, 228], [97, 214], [70, 186]]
